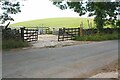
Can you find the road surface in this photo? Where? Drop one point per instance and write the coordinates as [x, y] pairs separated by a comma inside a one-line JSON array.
[[67, 62]]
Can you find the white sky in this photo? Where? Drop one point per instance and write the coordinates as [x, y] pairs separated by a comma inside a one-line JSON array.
[[38, 9]]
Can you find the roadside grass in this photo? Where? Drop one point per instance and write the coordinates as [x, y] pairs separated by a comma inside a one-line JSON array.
[[10, 44], [98, 37]]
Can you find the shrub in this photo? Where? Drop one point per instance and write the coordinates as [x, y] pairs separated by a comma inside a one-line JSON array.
[[10, 34], [11, 38]]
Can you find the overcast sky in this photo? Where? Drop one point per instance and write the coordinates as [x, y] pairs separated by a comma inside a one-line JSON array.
[[39, 9]]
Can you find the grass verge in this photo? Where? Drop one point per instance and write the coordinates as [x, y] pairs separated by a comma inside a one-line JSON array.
[[98, 37], [10, 44]]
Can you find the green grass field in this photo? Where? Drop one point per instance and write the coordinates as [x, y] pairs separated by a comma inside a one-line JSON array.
[[56, 22]]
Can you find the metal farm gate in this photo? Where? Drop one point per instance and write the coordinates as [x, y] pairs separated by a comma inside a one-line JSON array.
[[68, 33], [29, 34]]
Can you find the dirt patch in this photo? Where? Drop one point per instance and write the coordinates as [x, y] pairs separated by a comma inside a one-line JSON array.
[[51, 41], [110, 69]]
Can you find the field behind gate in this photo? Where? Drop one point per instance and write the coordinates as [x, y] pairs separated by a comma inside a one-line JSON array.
[[69, 22]]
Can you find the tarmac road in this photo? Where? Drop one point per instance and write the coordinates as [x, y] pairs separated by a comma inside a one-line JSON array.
[[67, 62]]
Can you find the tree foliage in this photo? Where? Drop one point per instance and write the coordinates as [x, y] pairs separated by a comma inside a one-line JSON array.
[[104, 12], [7, 8]]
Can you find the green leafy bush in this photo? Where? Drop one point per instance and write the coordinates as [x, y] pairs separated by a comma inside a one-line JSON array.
[[10, 34]]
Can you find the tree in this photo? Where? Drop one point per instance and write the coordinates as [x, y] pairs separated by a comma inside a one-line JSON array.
[[8, 7], [104, 12]]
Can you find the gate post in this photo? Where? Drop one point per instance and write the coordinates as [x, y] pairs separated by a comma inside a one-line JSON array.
[[22, 33], [59, 34], [81, 29], [63, 34], [78, 31], [37, 34]]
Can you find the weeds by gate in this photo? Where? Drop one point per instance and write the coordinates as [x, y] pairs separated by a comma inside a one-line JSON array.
[[68, 33]]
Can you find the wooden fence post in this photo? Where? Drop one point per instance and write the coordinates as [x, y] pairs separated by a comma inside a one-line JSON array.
[[22, 33], [63, 34], [59, 34], [37, 34], [78, 32], [81, 29]]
